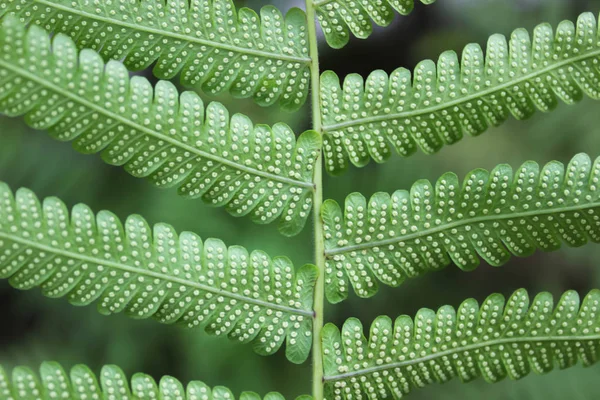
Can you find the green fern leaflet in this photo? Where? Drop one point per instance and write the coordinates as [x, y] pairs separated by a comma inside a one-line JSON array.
[[436, 106], [112, 384], [491, 216], [210, 43], [492, 341], [145, 272], [339, 18], [157, 133]]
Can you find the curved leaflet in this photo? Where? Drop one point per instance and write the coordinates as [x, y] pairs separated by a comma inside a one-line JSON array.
[[147, 272], [437, 105], [157, 133], [494, 341], [82, 384], [339, 18], [492, 216], [207, 42]]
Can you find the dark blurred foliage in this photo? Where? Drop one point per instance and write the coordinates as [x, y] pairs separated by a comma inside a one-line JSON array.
[[33, 328]]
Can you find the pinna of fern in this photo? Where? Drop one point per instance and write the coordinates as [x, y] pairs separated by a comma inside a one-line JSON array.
[[82, 384], [249, 297], [339, 18], [436, 105], [208, 42], [491, 216], [495, 340], [157, 133]]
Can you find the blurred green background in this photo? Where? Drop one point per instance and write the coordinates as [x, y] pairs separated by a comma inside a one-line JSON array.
[[33, 328]]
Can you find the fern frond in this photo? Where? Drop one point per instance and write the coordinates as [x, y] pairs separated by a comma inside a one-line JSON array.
[[491, 216], [82, 384], [492, 341], [210, 43], [339, 18], [155, 273], [436, 106], [157, 133]]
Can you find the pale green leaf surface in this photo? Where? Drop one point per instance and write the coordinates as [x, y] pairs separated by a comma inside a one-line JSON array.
[[157, 133], [491, 215], [210, 43], [340, 18], [494, 341], [436, 106], [82, 384], [144, 272]]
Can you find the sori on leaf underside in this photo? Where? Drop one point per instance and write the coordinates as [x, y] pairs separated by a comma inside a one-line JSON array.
[[208, 42], [491, 215], [493, 341], [436, 105], [64, 67], [339, 18], [264, 57], [429, 108], [145, 272], [157, 133], [82, 384]]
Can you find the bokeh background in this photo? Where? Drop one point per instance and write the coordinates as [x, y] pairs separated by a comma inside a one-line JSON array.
[[33, 328]]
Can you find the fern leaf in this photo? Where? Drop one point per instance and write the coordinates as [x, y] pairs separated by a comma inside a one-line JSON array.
[[493, 215], [436, 106], [82, 384], [210, 43], [492, 341], [339, 18], [157, 133], [155, 272]]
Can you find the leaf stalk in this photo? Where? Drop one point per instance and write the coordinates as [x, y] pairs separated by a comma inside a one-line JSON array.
[[319, 293]]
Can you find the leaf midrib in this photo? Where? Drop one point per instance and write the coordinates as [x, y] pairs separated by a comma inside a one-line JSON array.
[[460, 99], [470, 347], [141, 271], [456, 224], [63, 92], [173, 35]]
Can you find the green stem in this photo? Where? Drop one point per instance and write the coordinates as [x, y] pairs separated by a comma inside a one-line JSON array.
[[319, 298]]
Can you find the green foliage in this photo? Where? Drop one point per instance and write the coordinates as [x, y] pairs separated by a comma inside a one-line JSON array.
[[493, 215], [155, 272], [168, 138], [65, 67], [207, 41], [492, 341], [436, 106], [112, 384], [339, 18]]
